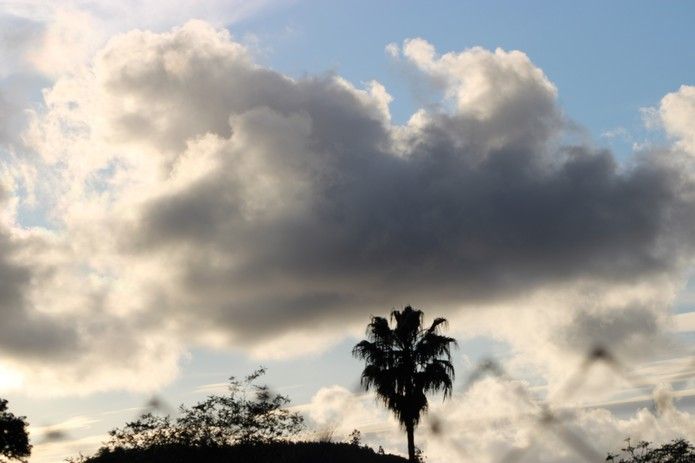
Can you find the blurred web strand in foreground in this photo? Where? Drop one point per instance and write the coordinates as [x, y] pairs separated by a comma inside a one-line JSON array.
[[551, 418]]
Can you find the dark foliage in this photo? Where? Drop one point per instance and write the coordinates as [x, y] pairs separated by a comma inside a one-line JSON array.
[[248, 414], [404, 363], [677, 451], [14, 441], [276, 452], [355, 437]]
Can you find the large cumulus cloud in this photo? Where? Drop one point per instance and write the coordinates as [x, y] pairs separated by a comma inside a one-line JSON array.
[[310, 204], [220, 202]]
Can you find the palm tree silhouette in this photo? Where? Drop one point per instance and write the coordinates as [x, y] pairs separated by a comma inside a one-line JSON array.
[[405, 363]]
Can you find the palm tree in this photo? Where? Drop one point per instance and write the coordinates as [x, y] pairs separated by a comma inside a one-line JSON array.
[[405, 363]]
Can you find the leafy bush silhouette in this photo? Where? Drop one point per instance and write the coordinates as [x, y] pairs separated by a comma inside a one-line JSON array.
[[248, 414], [676, 451], [14, 441], [249, 423], [404, 363]]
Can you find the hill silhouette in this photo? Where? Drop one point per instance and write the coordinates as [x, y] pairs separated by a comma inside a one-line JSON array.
[[274, 452]]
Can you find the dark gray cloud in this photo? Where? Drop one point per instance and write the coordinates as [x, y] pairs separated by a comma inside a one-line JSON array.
[[25, 331], [318, 210]]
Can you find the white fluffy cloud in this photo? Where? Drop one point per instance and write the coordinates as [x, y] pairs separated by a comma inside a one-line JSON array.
[[677, 111], [507, 100], [42, 41]]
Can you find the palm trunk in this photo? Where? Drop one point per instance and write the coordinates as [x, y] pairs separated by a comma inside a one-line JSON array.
[[410, 429]]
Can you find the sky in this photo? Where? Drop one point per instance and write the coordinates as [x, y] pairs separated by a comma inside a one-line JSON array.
[[189, 191]]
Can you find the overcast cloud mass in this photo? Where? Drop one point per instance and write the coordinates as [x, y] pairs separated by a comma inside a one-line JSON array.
[[192, 197]]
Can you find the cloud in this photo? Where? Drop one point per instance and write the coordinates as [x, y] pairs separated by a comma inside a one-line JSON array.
[[208, 200], [59, 37], [56, 338], [677, 113], [16, 40], [17, 80], [67, 41], [500, 97], [23, 330], [309, 192], [392, 49], [43, 41], [58, 335], [489, 421]]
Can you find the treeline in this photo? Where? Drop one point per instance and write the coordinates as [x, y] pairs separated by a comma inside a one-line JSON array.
[[246, 424]]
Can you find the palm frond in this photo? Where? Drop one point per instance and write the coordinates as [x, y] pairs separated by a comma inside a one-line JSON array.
[[437, 325], [438, 376], [369, 351], [379, 331], [432, 345]]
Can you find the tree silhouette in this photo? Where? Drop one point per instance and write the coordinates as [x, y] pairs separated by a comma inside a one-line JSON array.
[[14, 441], [677, 451], [248, 413], [404, 363]]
